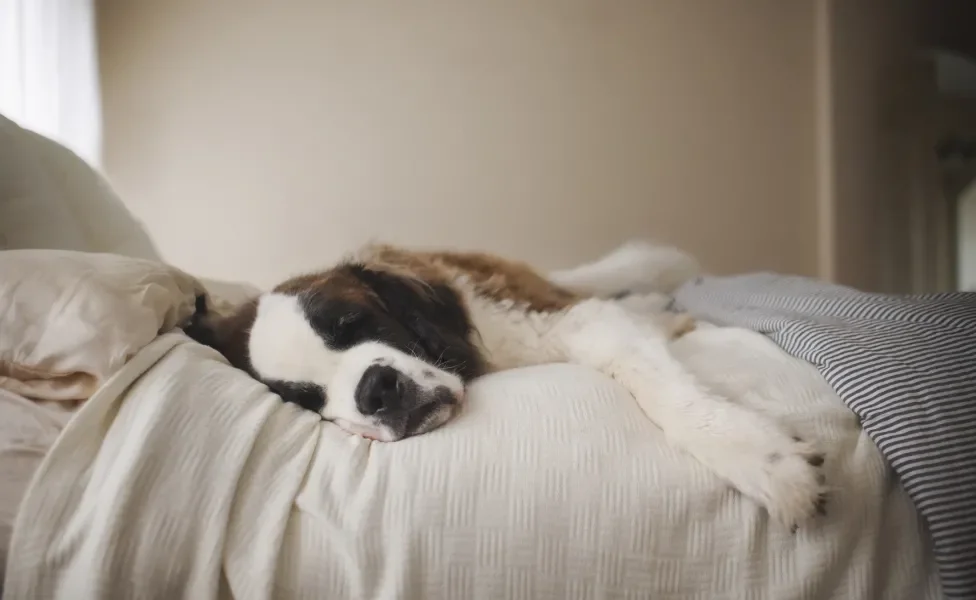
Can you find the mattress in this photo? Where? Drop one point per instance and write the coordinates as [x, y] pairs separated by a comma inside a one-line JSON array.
[[183, 477]]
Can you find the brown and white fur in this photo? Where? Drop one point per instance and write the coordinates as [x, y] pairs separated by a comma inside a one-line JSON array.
[[383, 344]]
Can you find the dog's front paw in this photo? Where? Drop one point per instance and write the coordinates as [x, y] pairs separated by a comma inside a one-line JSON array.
[[791, 483]]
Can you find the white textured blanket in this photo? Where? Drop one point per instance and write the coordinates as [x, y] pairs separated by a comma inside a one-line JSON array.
[[184, 478]]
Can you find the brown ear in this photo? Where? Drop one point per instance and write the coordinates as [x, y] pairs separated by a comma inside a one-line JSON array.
[[226, 334]]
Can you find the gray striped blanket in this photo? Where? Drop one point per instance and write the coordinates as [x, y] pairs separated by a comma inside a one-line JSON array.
[[906, 365]]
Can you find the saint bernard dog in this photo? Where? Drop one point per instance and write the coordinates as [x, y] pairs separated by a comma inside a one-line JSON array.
[[384, 343]]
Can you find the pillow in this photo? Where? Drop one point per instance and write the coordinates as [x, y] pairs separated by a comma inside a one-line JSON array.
[[51, 198], [71, 319]]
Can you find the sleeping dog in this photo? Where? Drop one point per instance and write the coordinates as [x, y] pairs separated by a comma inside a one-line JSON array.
[[384, 343]]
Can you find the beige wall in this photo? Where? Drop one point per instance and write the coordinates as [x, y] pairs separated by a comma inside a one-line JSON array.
[[257, 138]]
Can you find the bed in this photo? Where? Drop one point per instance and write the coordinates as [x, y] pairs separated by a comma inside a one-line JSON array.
[[137, 463]]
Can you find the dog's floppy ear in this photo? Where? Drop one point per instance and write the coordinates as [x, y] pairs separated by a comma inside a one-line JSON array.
[[199, 327], [434, 313], [225, 334]]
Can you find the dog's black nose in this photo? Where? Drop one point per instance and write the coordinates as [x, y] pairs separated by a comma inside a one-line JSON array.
[[381, 388]]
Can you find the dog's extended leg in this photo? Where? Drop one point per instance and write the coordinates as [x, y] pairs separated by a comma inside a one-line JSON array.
[[748, 449]]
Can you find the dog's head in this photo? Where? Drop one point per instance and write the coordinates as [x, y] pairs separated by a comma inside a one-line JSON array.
[[381, 354]]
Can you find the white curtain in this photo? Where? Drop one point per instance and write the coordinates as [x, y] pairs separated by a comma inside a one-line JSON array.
[[49, 72]]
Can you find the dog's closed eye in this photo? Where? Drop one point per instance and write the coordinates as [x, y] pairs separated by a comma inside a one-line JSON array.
[[345, 330]]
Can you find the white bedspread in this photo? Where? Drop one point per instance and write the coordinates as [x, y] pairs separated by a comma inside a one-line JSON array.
[[184, 478]]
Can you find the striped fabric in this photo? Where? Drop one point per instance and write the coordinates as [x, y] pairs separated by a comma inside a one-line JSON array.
[[906, 365]]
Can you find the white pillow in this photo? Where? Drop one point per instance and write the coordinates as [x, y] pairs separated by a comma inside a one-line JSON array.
[[51, 198], [72, 319]]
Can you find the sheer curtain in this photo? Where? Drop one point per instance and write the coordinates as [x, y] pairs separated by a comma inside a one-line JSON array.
[[49, 71]]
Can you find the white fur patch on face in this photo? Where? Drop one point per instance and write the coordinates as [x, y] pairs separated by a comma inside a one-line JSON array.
[[283, 346]]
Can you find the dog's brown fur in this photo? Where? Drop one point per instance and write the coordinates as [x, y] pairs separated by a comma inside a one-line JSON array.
[[490, 276]]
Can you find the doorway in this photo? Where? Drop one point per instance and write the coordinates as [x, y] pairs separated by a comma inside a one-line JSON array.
[[956, 153]]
